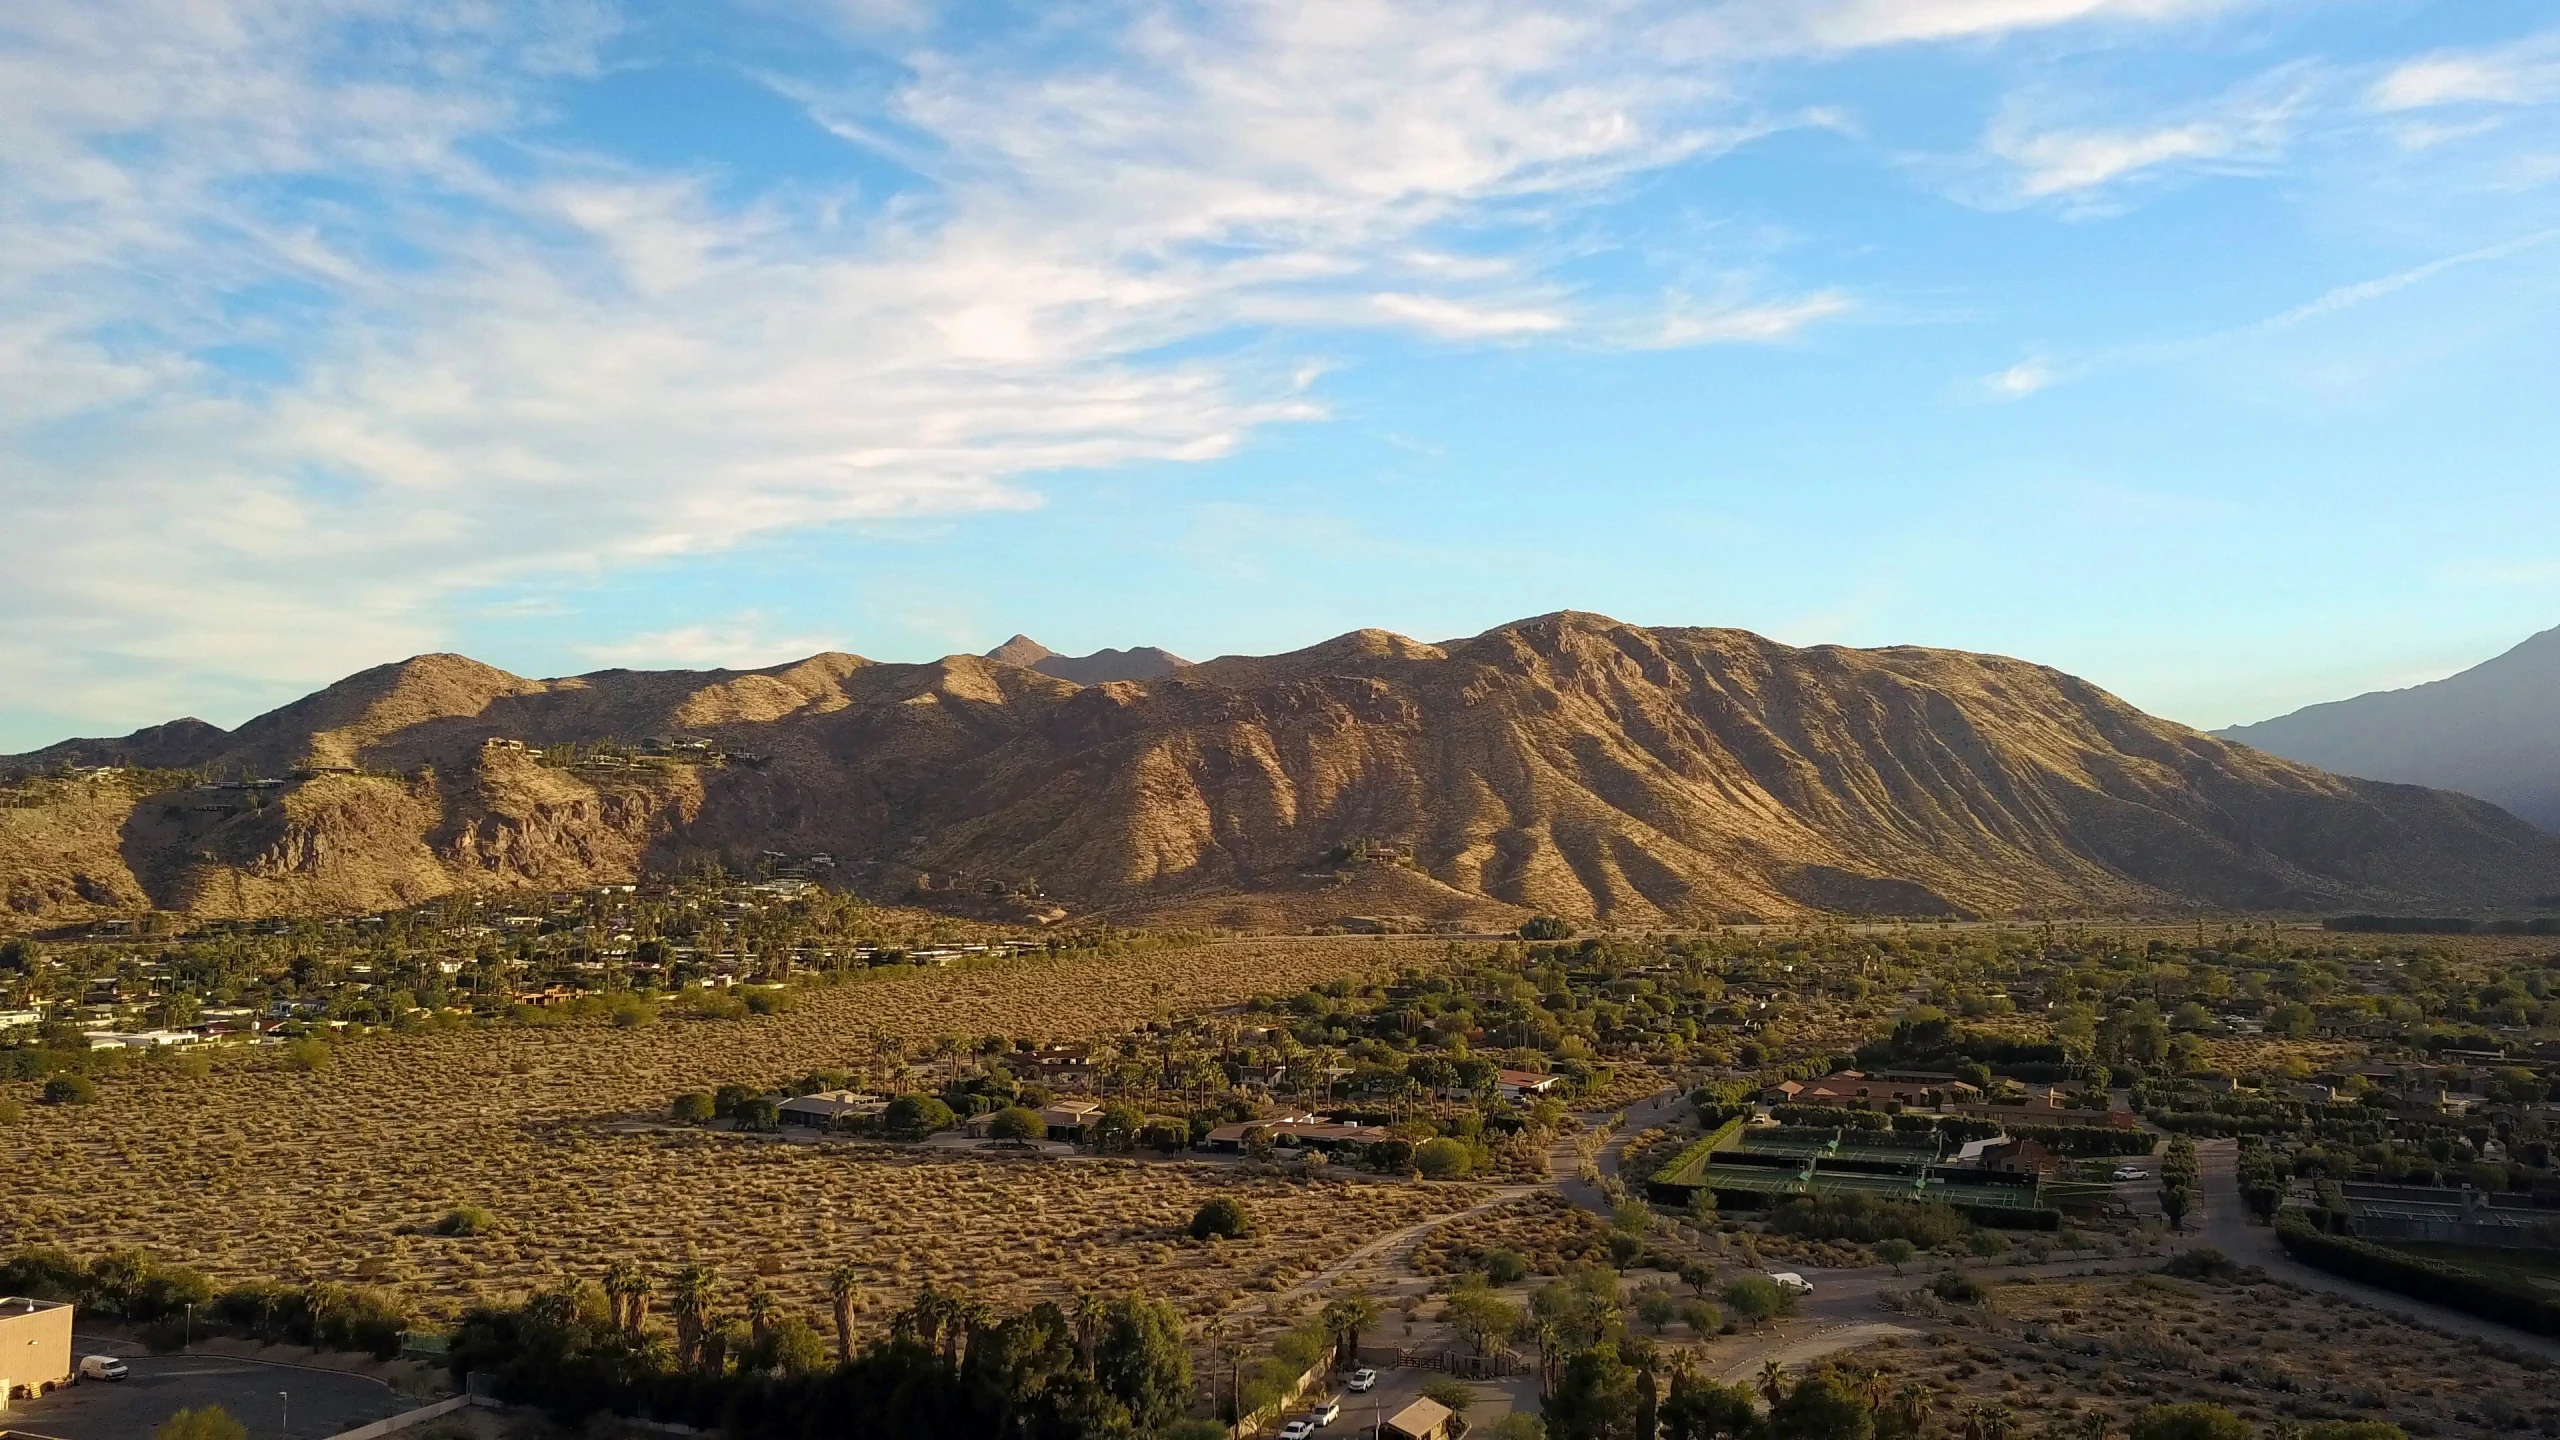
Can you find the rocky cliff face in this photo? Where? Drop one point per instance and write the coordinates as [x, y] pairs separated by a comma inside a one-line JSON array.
[[1566, 763]]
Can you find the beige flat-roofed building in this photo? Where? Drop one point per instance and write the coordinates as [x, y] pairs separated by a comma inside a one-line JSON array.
[[35, 1347]]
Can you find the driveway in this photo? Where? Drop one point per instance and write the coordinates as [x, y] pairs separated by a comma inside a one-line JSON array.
[[258, 1395], [1401, 1386]]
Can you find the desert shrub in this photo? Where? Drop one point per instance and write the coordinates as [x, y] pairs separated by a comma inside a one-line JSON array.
[[11, 1112], [2202, 1263], [1701, 1316], [1223, 1216], [631, 1012], [463, 1221], [2354, 1430], [693, 1107], [1956, 1288], [212, 1422], [1896, 1252], [1864, 1220], [70, 1090], [766, 1000], [913, 1117], [1443, 1159], [309, 1053], [2190, 1421], [1989, 1244], [1505, 1266], [1016, 1122]]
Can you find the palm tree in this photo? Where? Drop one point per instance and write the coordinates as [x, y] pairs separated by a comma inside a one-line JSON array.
[[842, 1283], [1917, 1401], [1771, 1373], [689, 1296], [2093, 1426], [1091, 1311], [969, 1318], [626, 1286], [760, 1308], [1344, 1319], [1998, 1422]]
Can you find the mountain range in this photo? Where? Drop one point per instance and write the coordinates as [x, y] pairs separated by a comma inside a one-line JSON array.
[[2492, 731], [1567, 763]]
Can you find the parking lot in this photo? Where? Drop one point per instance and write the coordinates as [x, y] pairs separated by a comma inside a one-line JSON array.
[[320, 1402], [1398, 1388]]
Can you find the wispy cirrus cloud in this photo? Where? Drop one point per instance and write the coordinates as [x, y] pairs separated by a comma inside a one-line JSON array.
[[2522, 72]]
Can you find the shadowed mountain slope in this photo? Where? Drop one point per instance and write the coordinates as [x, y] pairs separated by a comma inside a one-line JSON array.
[[1146, 662], [1567, 763], [2492, 731]]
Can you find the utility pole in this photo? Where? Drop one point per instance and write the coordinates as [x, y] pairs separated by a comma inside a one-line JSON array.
[[285, 1428]]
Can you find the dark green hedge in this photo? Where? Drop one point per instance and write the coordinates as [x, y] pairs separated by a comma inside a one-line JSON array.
[[2507, 1302]]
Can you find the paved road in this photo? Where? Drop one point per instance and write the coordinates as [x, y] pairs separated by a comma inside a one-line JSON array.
[[1398, 1388], [322, 1402]]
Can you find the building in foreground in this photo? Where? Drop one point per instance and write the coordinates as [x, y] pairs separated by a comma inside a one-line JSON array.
[[35, 1348]]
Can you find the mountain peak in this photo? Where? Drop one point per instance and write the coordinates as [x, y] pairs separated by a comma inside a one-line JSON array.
[[1021, 650]]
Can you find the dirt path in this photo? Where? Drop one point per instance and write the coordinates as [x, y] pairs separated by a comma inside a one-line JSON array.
[[1401, 1241]]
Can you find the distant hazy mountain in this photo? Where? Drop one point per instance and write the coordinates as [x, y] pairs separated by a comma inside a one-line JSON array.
[[1565, 763], [1143, 663], [2492, 731]]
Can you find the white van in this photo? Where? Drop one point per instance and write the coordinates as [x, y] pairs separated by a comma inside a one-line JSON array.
[[102, 1367], [1791, 1282]]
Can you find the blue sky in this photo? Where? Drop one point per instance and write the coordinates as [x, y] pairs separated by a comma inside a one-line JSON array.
[[2201, 347]]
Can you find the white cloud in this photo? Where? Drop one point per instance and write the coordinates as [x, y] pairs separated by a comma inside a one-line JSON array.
[[479, 355], [2020, 380], [2524, 72], [1855, 23], [2063, 163], [744, 641]]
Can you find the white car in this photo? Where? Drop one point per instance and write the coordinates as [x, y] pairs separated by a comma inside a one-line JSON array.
[[1363, 1381], [2132, 1172], [1325, 1413], [1791, 1282], [1298, 1430], [102, 1367]]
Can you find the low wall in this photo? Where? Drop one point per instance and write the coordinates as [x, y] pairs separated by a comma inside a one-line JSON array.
[[407, 1418]]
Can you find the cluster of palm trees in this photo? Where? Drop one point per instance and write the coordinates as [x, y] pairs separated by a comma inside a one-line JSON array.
[[692, 1300]]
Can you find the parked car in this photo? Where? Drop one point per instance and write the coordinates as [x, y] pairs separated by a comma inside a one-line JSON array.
[[1298, 1430], [1791, 1282], [102, 1367], [1325, 1413], [1363, 1380], [2132, 1172]]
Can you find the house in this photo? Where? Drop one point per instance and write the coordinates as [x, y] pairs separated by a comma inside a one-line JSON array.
[[1524, 1084], [1421, 1420], [832, 1109], [1290, 1131], [35, 1348], [1858, 1089], [1070, 1119], [2021, 1157]]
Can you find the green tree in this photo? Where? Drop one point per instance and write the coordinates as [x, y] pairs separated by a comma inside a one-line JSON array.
[[1017, 1122], [1505, 1266], [1485, 1318], [1442, 1158], [913, 1117], [1451, 1391], [1753, 1298], [760, 1112], [210, 1422], [1344, 1318], [691, 1108], [1141, 1361], [69, 1089], [1821, 1407], [1896, 1252], [1595, 1397], [2193, 1420], [1223, 1216], [1701, 1409]]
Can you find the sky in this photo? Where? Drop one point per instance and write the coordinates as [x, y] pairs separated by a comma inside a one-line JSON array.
[[2204, 348]]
